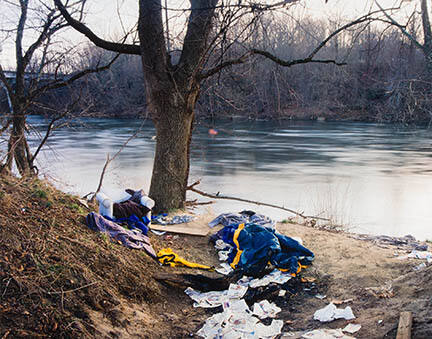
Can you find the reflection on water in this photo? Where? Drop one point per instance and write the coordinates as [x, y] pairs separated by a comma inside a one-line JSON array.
[[374, 178]]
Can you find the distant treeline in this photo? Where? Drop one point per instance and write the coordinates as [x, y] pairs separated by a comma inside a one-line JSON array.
[[383, 80]]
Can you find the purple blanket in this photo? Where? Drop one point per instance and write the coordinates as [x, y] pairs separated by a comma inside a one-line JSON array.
[[128, 238]]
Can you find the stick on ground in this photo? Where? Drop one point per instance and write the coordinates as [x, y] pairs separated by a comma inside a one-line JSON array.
[[405, 323], [218, 196]]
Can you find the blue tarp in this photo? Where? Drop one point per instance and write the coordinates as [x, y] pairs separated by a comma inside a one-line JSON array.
[[255, 246]]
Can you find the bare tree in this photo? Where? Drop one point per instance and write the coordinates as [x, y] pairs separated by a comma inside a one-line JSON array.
[[426, 45], [173, 81], [38, 69]]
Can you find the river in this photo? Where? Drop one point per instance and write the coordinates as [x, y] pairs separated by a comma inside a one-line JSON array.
[[372, 178]]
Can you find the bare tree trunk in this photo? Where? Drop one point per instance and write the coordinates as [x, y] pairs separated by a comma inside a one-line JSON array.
[[18, 149], [171, 104], [427, 33], [171, 163], [172, 92]]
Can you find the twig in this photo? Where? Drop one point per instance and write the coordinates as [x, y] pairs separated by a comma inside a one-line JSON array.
[[193, 203], [62, 300], [108, 161], [73, 290], [7, 284], [218, 196]]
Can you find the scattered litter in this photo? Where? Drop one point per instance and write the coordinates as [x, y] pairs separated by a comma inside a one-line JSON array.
[[275, 276], [163, 219], [282, 293], [326, 334], [380, 321], [225, 269], [207, 299], [213, 131], [83, 202], [271, 331], [236, 291], [321, 296], [236, 321], [418, 255], [331, 312], [308, 279], [158, 232], [234, 219], [340, 302], [193, 228], [223, 255], [419, 267], [236, 306], [221, 245], [352, 328], [167, 256], [264, 309], [385, 291], [406, 242]]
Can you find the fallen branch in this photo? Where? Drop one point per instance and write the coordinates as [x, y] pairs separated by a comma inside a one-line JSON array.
[[73, 290], [108, 161], [193, 203], [225, 197]]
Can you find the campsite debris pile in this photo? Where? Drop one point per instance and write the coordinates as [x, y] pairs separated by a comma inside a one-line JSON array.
[[247, 244], [259, 262]]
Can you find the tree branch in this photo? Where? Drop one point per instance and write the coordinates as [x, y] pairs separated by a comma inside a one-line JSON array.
[[401, 27], [225, 64], [290, 63], [152, 39], [108, 161], [426, 27], [59, 84], [308, 59], [83, 29], [218, 196], [19, 37], [47, 134], [42, 37], [198, 29], [5, 82]]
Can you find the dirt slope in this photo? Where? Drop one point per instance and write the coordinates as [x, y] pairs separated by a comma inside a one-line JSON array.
[[60, 279]]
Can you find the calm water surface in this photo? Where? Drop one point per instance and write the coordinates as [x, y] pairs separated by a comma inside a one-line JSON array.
[[373, 178]]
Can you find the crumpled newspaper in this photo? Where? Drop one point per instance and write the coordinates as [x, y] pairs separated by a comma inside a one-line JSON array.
[[331, 312], [237, 321], [352, 328], [216, 298], [326, 334], [275, 276], [265, 309], [224, 269]]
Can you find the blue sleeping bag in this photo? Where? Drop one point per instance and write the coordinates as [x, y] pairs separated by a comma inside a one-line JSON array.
[[255, 246]]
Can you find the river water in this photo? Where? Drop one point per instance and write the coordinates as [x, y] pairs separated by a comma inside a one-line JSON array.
[[371, 178]]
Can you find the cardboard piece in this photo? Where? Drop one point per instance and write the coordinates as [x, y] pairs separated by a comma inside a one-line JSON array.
[[198, 227]]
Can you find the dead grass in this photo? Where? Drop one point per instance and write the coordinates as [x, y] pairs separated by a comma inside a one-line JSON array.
[[54, 271]]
